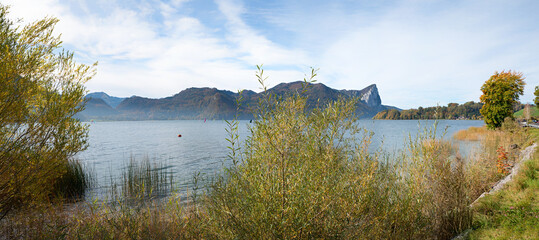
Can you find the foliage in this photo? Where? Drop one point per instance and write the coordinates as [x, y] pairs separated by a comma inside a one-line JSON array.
[[500, 92], [390, 114], [469, 110], [501, 163], [292, 176], [41, 88], [536, 93], [309, 174]]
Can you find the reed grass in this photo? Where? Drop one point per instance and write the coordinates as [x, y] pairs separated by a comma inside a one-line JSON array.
[[101, 220], [471, 134], [498, 152], [146, 180], [74, 182]]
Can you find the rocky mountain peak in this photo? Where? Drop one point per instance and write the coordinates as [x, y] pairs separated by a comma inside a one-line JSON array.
[[371, 96]]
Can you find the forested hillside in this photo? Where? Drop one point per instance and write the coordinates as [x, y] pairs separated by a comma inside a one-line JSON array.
[[469, 110]]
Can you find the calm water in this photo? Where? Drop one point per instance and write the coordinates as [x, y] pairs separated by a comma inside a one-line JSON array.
[[203, 146]]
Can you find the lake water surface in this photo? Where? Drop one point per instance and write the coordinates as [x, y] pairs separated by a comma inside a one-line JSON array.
[[203, 146]]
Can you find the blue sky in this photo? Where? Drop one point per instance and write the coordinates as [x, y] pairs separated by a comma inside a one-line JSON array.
[[418, 52]]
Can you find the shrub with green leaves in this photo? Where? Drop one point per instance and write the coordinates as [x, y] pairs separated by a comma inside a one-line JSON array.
[[306, 175], [41, 89]]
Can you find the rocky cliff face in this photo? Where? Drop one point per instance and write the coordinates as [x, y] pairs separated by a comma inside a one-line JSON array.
[[212, 103], [371, 96], [368, 95]]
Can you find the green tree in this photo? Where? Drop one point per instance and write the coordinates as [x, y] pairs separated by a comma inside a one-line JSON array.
[[500, 92], [41, 89], [536, 100], [393, 114]]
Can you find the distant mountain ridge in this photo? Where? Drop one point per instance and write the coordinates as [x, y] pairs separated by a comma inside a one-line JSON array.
[[111, 101], [212, 103]]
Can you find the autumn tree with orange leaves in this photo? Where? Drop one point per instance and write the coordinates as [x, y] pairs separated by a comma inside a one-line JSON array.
[[500, 91]]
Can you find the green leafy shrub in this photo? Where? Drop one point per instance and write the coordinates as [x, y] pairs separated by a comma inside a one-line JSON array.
[[41, 89], [309, 174]]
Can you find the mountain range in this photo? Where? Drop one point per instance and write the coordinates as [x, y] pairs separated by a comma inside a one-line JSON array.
[[212, 103]]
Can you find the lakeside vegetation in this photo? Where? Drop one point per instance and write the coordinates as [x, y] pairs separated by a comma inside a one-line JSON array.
[[300, 174], [41, 88], [469, 110], [466, 111], [512, 212]]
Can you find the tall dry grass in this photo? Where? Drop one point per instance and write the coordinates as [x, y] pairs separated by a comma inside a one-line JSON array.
[[471, 134], [483, 164], [435, 178]]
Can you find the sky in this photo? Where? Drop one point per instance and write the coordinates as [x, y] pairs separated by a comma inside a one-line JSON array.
[[418, 52]]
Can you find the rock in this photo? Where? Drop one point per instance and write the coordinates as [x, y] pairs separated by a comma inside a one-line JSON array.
[[371, 96]]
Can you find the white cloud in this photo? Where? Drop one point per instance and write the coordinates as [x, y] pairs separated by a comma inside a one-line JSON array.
[[429, 60], [253, 47], [419, 53]]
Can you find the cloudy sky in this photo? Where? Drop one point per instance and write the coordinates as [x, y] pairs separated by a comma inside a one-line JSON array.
[[418, 52]]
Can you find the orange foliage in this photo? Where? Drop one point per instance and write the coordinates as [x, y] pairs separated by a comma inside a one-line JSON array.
[[502, 164]]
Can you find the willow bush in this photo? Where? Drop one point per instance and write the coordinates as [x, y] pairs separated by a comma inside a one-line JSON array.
[[41, 89], [309, 175], [435, 175]]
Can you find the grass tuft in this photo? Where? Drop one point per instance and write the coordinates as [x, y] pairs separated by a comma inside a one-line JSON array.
[[146, 180], [74, 182]]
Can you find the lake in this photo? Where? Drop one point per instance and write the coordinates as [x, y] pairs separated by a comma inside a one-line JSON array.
[[203, 146]]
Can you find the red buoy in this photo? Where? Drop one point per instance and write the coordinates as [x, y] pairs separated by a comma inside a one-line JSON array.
[[179, 135]]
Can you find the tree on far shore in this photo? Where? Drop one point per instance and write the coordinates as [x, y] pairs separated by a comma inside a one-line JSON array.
[[500, 92]]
